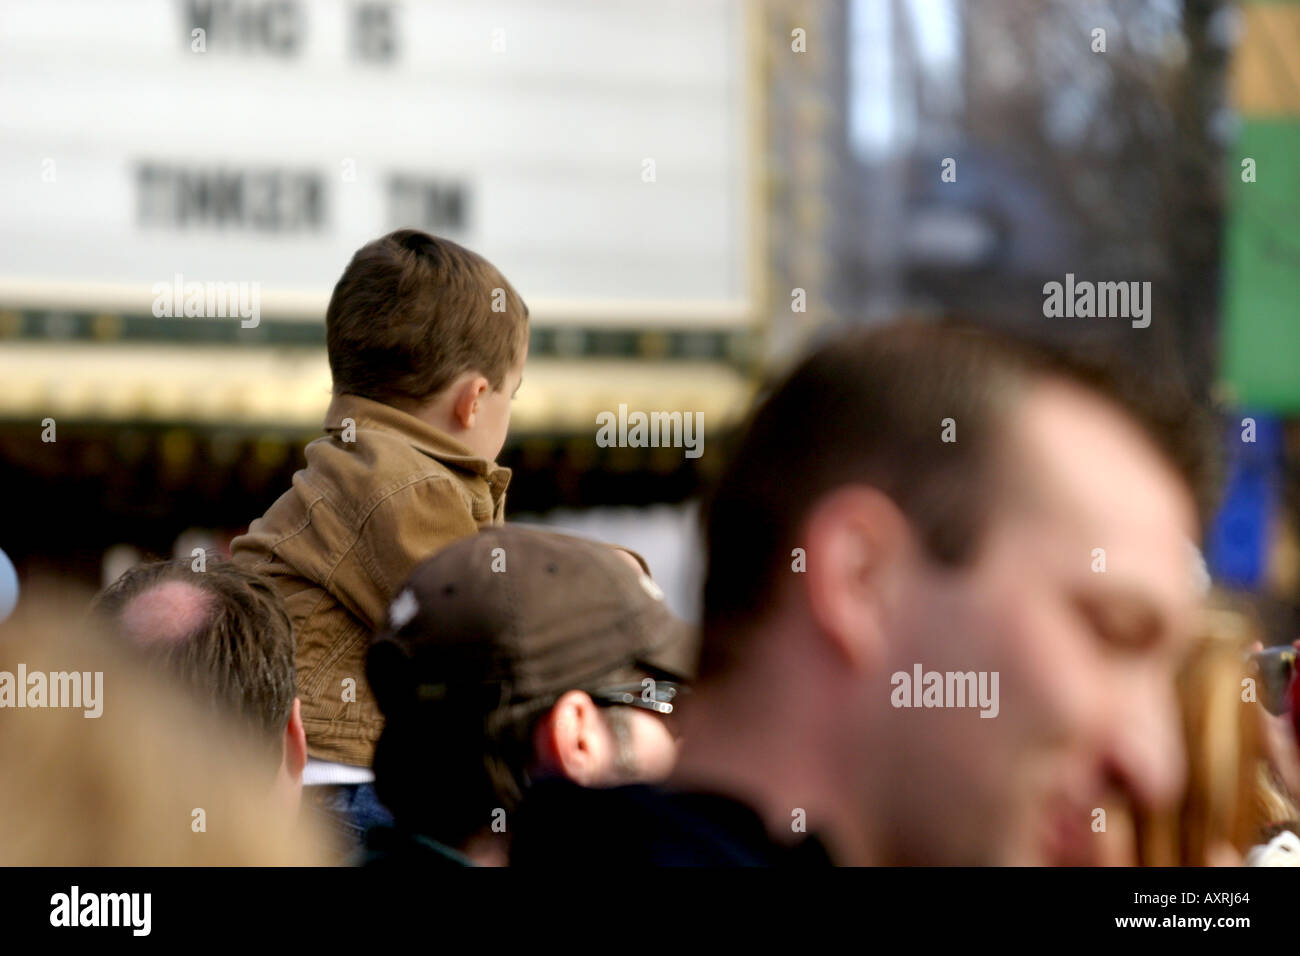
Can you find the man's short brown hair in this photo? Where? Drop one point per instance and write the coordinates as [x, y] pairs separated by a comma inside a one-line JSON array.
[[412, 311], [869, 407], [239, 657]]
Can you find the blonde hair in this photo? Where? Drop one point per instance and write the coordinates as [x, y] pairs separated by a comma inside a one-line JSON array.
[[1231, 796], [153, 781]]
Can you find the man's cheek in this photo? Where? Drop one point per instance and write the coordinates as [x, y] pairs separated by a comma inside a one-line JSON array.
[[1053, 675]]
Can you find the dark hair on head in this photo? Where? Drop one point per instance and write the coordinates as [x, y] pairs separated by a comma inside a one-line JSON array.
[[867, 407], [239, 658], [413, 311]]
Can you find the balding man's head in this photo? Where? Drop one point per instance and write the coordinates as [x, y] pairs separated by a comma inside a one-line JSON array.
[[169, 612], [223, 629]]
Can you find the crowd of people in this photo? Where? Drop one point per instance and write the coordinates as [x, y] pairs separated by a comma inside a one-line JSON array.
[[953, 613]]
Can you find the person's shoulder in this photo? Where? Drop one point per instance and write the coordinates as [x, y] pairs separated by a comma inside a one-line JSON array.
[[378, 464]]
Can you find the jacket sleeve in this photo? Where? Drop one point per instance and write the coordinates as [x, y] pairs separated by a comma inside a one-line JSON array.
[[408, 526]]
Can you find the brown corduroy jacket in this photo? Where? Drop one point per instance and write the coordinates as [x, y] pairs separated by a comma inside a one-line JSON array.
[[376, 498]]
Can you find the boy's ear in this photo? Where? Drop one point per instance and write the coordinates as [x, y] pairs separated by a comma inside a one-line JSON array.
[[465, 406]]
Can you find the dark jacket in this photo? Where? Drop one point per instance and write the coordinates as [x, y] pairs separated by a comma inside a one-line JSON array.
[[561, 823], [395, 847]]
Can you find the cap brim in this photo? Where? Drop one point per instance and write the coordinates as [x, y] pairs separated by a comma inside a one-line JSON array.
[[677, 653]]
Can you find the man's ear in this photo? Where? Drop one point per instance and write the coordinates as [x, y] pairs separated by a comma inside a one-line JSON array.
[[465, 406], [571, 740], [295, 744], [855, 538]]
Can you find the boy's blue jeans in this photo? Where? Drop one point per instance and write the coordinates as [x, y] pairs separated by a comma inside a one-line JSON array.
[[351, 808]]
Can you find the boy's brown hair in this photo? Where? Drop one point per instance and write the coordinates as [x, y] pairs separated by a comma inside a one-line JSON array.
[[412, 311]]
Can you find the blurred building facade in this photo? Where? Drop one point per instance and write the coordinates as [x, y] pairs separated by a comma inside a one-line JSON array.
[[687, 193]]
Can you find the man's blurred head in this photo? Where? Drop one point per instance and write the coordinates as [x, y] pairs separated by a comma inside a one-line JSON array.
[[225, 634], [965, 506], [156, 779], [515, 655]]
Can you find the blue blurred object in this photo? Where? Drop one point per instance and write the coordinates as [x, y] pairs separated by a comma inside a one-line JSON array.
[[1237, 544], [8, 586]]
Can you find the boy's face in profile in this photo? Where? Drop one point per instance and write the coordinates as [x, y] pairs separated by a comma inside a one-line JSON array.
[[492, 422]]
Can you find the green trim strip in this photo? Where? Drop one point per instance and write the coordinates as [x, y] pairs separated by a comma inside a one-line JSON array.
[[736, 347]]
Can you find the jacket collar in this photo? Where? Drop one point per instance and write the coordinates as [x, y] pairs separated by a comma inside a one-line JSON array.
[[422, 436]]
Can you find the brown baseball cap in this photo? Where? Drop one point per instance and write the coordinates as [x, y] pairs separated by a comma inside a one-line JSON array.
[[516, 613]]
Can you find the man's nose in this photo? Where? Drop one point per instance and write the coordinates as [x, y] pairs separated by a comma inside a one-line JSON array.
[[1145, 747]]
